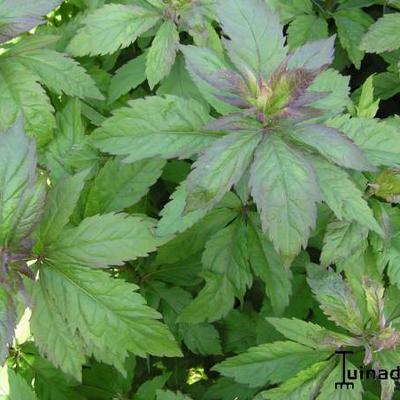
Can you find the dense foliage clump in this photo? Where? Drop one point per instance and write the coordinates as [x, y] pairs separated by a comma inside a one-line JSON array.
[[199, 198]]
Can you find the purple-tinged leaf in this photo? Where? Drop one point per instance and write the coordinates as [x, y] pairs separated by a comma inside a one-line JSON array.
[[333, 145], [7, 319], [18, 16], [313, 55], [218, 168], [284, 187], [256, 37]]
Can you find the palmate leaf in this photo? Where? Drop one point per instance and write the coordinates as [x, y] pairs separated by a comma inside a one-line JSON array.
[[284, 187], [167, 127], [112, 27], [162, 53], [18, 16], [256, 37], [96, 307], [104, 240], [270, 363]]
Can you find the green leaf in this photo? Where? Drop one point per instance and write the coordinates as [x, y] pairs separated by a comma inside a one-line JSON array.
[[270, 363], [383, 35], [303, 386], [291, 8], [22, 95], [268, 266], [17, 179], [147, 391], [342, 240], [330, 392], [212, 303], [203, 63], [119, 185], [168, 395], [226, 253], [336, 298], [284, 187], [128, 77], [104, 240], [378, 139], [342, 196], [60, 203], [333, 145], [18, 16], [162, 53], [309, 334], [69, 151], [256, 37], [155, 126], [19, 388], [351, 26], [60, 73], [98, 307], [306, 28], [8, 320], [112, 27], [367, 107], [330, 81], [201, 339], [218, 168], [53, 337]]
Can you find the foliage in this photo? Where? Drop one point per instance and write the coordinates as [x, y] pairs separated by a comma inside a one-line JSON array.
[[199, 199]]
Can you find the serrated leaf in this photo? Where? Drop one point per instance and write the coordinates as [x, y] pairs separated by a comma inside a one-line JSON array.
[[333, 145], [97, 307], [268, 266], [168, 395], [53, 337], [303, 386], [104, 240], [256, 37], [18, 387], [330, 392], [226, 253], [212, 303], [336, 298], [22, 95], [383, 35], [306, 28], [203, 63], [351, 26], [218, 168], [379, 140], [128, 77], [162, 53], [8, 321], [284, 187], [201, 338], [60, 73], [112, 27], [60, 203], [18, 16], [118, 185], [270, 363], [155, 126], [342, 239], [342, 195], [147, 390], [17, 179]]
